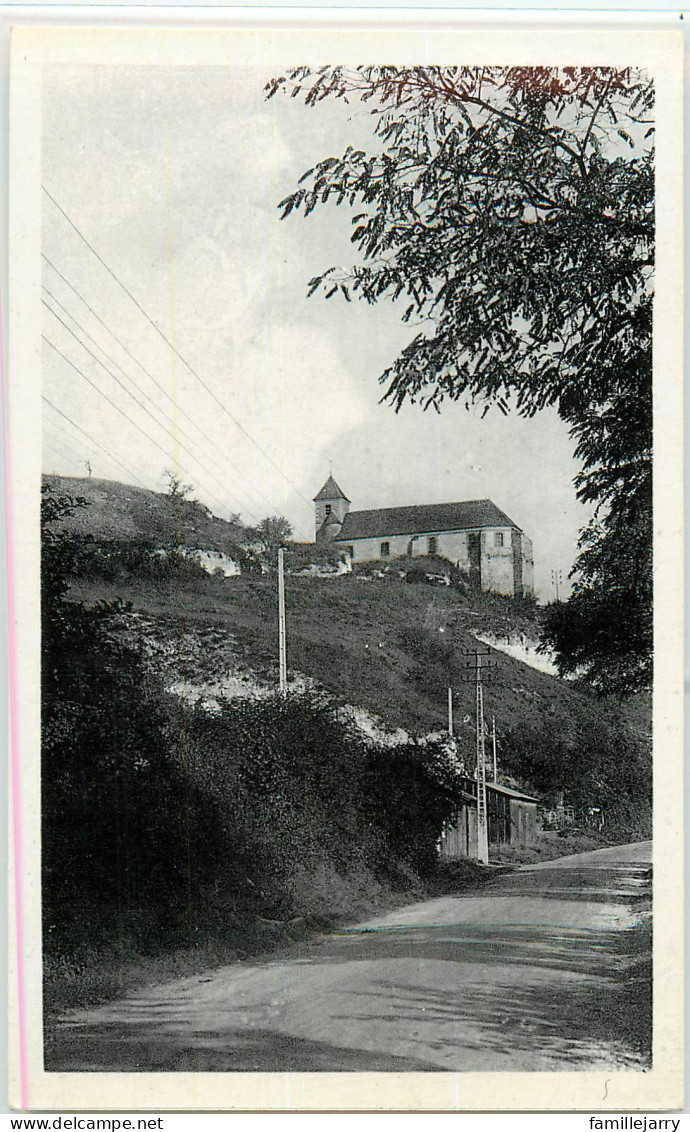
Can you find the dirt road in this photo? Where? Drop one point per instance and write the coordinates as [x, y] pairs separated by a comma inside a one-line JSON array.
[[544, 969]]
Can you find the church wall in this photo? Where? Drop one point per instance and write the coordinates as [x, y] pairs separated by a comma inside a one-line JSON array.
[[498, 575], [369, 549], [499, 548], [451, 545], [527, 566]]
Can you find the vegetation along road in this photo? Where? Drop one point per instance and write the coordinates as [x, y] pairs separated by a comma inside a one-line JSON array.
[[546, 968]]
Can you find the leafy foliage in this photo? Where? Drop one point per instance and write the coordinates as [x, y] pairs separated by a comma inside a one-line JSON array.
[[584, 760], [111, 813], [166, 827], [513, 211], [59, 550], [176, 489], [329, 801], [604, 634], [274, 531], [116, 560], [410, 792]]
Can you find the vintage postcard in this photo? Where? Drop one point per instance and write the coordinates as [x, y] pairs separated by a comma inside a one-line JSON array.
[[345, 455]]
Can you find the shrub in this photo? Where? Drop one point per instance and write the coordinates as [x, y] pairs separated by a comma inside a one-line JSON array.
[[409, 793]]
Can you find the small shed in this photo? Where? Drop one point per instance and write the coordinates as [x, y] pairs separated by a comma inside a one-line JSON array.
[[512, 815], [459, 836], [512, 818]]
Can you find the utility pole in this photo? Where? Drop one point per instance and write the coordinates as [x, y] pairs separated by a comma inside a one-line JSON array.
[[557, 581], [475, 669], [482, 818], [282, 647], [450, 711], [493, 738]]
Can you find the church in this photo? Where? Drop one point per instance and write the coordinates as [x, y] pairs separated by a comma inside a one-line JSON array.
[[489, 548]]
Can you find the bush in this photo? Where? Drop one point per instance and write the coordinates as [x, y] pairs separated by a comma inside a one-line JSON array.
[[417, 568], [409, 793], [301, 554], [165, 827], [583, 757]]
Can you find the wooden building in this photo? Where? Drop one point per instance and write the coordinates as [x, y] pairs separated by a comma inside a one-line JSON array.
[[512, 818]]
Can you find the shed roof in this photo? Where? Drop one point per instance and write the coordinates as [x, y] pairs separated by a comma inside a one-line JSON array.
[[498, 788], [330, 490], [423, 519], [519, 795]]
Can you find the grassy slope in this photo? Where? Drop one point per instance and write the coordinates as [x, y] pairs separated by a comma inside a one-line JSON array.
[[370, 644], [121, 512], [377, 644]]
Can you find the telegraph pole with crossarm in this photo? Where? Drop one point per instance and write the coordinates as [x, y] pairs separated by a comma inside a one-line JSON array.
[[557, 582], [478, 667]]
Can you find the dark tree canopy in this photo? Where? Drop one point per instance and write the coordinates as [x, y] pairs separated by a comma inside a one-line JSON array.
[[274, 531], [512, 211], [604, 633]]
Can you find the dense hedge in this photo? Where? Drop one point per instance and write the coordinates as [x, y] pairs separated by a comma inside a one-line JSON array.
[[164, 825]]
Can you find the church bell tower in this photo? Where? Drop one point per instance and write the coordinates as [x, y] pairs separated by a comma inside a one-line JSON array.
[[331, 505]]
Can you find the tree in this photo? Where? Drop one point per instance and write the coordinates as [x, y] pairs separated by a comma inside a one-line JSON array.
[[274, 531], [112, 828], [177, 490], [512, 209], [60, 550], [604, 633]]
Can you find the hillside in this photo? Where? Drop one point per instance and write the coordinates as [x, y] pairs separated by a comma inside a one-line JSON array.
[[188, 810], [375, 644], [118, 512]]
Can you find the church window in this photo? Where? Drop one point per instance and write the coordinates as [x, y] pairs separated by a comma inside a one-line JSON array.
[[328, 508], [433, 543], [385, 549], [498, 538]]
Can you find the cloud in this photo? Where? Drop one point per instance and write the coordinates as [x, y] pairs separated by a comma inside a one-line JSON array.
[[174, 174]]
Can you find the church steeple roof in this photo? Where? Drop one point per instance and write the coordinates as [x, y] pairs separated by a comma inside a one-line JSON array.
[[330, 490]]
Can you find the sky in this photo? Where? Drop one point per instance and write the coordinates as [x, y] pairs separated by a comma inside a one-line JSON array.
[[173, 176]]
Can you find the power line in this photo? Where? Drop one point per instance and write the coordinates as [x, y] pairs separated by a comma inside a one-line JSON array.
[[143, 368], [94, 441], [56, 440], [117, 407], [147, 411], [174, 349], [258, 501]]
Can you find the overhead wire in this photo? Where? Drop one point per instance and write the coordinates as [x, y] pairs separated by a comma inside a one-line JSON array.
[[174, 349], [56, 440], [121, 411], [111, 455], [151, 377], [150, 414]]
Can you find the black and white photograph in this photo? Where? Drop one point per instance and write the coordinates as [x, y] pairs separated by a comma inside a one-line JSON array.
[[349, 437]]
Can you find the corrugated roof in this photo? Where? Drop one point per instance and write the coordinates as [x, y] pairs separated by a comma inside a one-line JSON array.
[[330, 490], [424, 519]]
